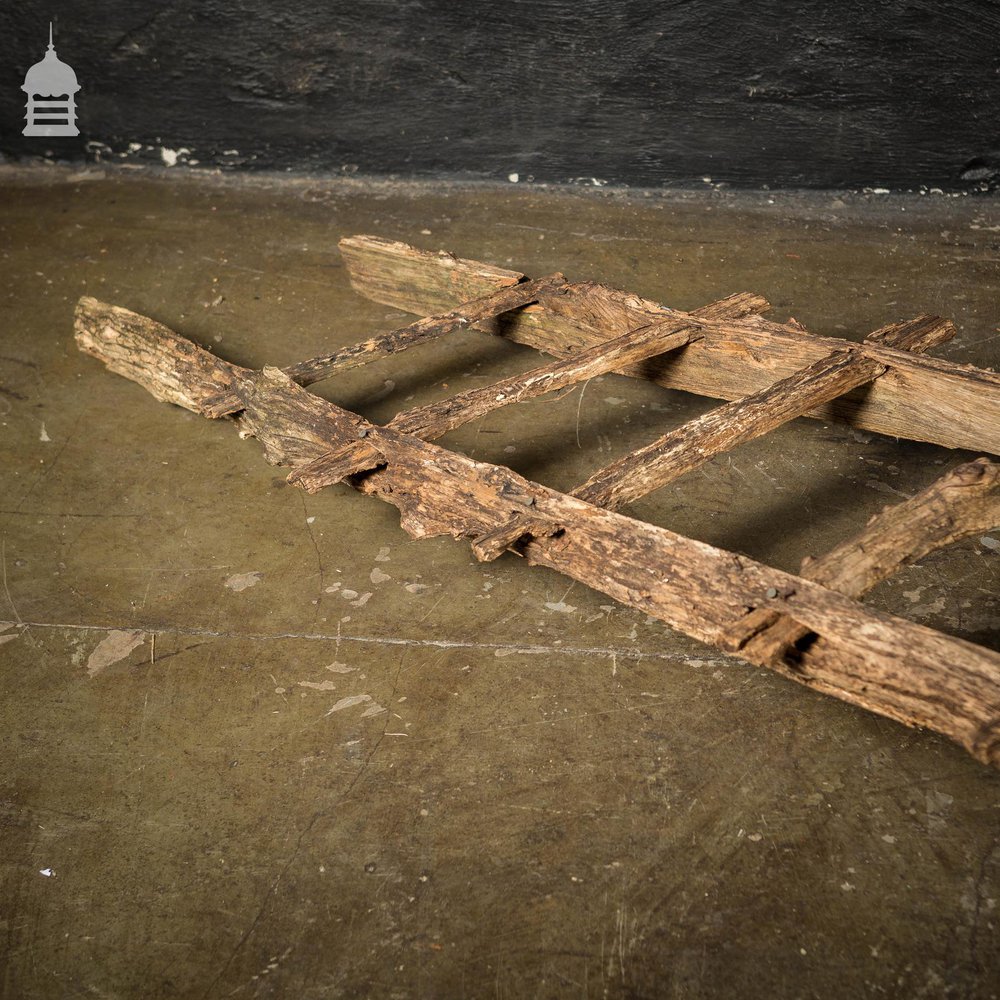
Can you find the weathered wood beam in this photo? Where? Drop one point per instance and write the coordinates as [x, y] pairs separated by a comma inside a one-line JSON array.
[[689, 446], [170, 367], [962, 503], [397, 277], [435, 419], [895, 667], [922, 399], [891, 666], [502, 300], [917, 335]]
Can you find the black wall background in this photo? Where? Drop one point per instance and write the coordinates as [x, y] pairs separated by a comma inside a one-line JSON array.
[[897, 94]]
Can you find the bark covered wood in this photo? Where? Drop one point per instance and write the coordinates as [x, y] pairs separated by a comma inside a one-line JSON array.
[[894, 667], [435, 419], [922, 399], [963, 502]]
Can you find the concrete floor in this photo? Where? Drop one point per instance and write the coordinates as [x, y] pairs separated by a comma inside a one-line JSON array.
[[260, 744]]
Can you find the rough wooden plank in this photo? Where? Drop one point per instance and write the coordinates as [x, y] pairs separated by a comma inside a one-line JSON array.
[[435, 419], [170, 367], [900, 669], [918, 335], [502, 300], [395, 276], [962, 503], [689, 446], [922, 399], [893, 667]]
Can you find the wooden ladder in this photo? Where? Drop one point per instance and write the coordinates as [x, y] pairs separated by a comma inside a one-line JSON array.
[[810, 627]]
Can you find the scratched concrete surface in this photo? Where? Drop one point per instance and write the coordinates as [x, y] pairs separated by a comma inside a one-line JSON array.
[[259, 744]]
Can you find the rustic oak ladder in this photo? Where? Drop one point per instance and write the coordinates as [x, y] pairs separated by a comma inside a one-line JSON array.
[[810, 627]]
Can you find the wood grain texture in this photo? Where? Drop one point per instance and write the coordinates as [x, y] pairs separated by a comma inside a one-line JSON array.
[[435, 419], [500, 300], [899, 669], [963, 502], [170, 367], [919, 398], [689, 446]]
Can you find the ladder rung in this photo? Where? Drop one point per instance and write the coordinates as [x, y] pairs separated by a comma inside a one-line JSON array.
[[691, 445], [963, 502], [696, 442], [430, 328], [435, 419]]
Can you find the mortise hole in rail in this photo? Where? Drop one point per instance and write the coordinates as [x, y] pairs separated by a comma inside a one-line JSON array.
[[812, 627]]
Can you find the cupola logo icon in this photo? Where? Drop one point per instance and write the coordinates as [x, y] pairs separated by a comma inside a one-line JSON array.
[[51, 88]]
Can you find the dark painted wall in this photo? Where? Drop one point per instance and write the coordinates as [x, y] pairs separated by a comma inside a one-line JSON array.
[[894, 93]]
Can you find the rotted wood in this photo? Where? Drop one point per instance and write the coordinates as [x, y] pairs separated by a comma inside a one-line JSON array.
[[489, 306], [435, 419], [920, 398], [891, 666], [962, 503], [693, 444], [170, 367], [722, 429]]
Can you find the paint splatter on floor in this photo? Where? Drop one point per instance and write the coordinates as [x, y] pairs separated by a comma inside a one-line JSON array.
[[349, 702], [340, 668], [243, 581], [560, 606], [113, 647], [374, 708], [319, 685]]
